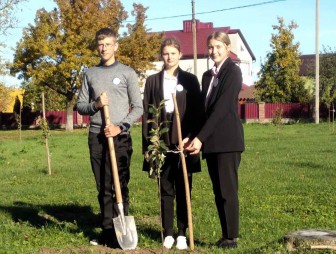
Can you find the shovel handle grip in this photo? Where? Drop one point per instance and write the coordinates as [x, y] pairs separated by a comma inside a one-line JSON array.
[[114, 167]]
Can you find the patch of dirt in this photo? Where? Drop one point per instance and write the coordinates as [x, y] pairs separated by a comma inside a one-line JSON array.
[[102, 250]]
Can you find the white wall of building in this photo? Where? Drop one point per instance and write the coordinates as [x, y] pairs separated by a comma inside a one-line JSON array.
[[187, 65], [238, 47], [203, 64]]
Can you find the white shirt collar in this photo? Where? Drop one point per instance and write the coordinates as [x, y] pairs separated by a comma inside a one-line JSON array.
[[167, 76], [169, 88], [219, 66]]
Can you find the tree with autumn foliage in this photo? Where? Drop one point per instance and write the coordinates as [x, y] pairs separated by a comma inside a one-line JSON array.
[[139, 48], [5, 98], [8, 20], [53, 54], [328, 78], [279, 79]]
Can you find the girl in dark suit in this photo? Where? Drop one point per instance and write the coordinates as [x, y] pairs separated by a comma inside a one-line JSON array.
[[221, 137], [158, 87]]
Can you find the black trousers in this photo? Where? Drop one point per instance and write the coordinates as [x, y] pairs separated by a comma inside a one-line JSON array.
[[223, 171], [172, 185], [101, 167]]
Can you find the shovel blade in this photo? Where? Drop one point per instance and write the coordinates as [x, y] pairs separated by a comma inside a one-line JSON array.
[[127, 239]]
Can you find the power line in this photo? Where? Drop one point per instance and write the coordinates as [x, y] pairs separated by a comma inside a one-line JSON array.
[[207, 12], [201, 13]]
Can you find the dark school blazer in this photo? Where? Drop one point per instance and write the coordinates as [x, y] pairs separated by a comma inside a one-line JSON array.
[[190, 110], [222, 130]]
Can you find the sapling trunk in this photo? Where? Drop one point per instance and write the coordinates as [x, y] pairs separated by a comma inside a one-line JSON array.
[[45, 130], [155, 155]]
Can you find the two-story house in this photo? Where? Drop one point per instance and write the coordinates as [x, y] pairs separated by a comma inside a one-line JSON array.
[[240, 50]]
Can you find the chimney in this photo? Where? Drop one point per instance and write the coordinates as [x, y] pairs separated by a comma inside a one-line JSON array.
[[187, 25]]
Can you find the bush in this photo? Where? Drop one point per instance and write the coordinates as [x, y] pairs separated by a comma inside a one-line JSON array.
[[277, 117]]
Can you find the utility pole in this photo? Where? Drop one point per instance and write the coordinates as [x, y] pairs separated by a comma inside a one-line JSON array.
[[317, 66], [194, 36]]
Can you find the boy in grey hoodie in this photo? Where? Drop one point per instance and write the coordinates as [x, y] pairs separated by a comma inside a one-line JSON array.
[[122, 94]]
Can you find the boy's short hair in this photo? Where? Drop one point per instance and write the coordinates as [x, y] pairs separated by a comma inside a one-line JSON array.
[[101, 34]]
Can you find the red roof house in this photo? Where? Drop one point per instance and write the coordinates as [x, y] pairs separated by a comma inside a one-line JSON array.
[[240, 50], [185, 37], [246, 94]]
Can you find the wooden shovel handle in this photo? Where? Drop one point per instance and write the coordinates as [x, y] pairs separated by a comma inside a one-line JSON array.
[[114, 167], [185, 174]]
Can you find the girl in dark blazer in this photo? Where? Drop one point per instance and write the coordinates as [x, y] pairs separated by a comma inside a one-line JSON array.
[[158, 87], [221, 137]]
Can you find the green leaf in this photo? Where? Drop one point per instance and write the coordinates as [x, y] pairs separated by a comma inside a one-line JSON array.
[[151, 121], [163, 146], [164, 130], [154, 139], [151, 110]]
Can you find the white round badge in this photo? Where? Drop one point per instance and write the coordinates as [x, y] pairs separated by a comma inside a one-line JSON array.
[[116, 81], [179, 88]]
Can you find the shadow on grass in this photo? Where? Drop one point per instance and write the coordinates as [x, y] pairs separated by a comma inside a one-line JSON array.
[[73, 218], [148, 231]]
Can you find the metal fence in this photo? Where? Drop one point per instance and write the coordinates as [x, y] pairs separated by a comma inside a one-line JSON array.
[[249, 112]]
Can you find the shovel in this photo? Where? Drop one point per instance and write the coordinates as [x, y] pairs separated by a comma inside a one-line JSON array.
[[124, 225], [185, 174]]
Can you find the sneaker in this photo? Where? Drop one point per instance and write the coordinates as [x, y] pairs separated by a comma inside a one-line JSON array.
[[181, 243], [94, 242], [168, 242]]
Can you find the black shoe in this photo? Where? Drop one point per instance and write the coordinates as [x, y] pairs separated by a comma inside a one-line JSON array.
[[226, 243], [106, 238]]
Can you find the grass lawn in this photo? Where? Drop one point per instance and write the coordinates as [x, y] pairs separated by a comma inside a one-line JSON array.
[[287, 182]]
